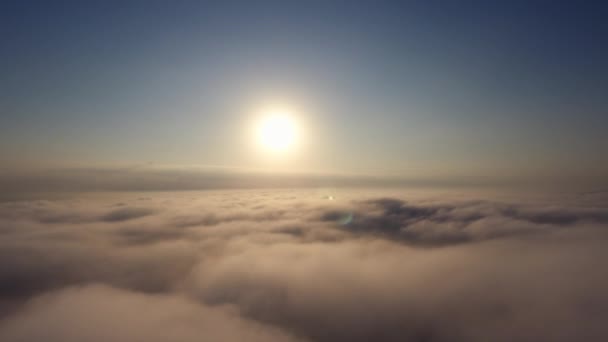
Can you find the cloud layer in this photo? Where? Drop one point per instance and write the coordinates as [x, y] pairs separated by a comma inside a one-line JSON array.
[[297, 265]]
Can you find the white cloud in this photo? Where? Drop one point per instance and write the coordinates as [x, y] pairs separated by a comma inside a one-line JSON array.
[[271, 265]]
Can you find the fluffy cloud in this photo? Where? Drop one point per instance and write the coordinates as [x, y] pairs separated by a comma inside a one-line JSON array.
[[100, 313], [284, 265]]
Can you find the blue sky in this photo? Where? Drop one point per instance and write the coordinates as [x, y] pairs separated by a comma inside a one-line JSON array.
[[419, 88]]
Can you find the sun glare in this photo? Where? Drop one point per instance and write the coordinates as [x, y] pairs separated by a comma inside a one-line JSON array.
[[277, 130]]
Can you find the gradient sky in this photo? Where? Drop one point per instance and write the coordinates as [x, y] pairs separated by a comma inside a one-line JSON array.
[[453, 89]]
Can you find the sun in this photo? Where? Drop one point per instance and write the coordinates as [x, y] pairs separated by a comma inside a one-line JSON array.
[[277, 130]]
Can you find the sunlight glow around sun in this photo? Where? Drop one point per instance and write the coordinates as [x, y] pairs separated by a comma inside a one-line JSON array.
[[277, 130]]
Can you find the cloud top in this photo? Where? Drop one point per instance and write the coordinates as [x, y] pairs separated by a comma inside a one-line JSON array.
[[293, 265]]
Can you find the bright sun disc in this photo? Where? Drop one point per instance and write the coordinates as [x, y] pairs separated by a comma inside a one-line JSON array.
[[277, 131]]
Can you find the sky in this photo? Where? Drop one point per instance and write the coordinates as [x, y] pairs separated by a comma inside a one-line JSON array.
[[472, 91]]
